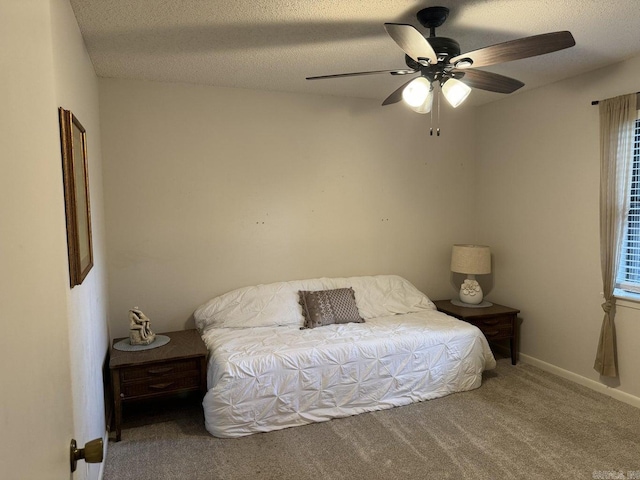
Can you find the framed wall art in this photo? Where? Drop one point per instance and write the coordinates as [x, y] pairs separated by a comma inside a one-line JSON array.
[[73, 139]]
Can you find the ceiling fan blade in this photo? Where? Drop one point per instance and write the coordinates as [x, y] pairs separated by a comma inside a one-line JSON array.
[[517, 49], [405, 71], [411, 41], [396, 96], [489, 81]]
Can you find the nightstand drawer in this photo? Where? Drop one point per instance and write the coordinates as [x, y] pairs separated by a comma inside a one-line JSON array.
[[496, 322], [149, 372], [495, 327], [151, 386], [495, 333]]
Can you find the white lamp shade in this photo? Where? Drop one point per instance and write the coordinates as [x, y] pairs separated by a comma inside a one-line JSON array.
[[424, 107], [455, 91], [471, 259], [417, 94]]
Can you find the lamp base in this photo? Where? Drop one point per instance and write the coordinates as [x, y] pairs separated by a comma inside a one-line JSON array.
[[470, 291], [460, 303]]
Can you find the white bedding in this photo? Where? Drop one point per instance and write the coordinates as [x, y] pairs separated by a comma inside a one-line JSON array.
[[272, 377]]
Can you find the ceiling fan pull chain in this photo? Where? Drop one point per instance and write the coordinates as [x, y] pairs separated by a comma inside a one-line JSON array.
[[438, 129], [431, 123]]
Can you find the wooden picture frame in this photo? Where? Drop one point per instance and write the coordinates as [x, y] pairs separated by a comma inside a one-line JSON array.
[[73, 140]]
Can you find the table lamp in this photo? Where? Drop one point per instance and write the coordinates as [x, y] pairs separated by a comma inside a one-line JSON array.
[[472, 260]]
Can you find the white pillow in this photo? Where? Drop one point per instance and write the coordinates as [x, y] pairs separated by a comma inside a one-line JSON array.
[[274, 304], [383, 295], [277, 304]]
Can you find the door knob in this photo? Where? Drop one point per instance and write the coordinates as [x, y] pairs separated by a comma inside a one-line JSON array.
[[92, 452]]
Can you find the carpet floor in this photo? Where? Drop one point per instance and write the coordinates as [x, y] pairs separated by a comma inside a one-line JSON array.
[[522, 423]]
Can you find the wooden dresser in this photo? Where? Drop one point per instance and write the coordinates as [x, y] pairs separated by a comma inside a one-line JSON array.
[[497, 322], [178, 367]]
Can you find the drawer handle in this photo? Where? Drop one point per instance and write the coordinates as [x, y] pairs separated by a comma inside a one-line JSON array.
[[160, 371], [492, 321], [161, 386], [491, 333]]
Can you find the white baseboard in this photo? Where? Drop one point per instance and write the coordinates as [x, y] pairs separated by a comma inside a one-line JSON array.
[[579, 379]]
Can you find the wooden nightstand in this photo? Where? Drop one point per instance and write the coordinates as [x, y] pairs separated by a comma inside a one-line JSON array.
[[180, 366], [496, 322]]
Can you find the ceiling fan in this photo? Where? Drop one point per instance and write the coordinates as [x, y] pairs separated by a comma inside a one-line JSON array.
[[440, 64]]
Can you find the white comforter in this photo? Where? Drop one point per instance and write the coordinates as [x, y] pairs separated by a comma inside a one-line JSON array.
[[273, 377]]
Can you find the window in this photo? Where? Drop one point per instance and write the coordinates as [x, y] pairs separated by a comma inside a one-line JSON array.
[[629, 269]]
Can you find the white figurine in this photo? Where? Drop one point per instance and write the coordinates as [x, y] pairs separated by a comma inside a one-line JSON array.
[[140, 328]]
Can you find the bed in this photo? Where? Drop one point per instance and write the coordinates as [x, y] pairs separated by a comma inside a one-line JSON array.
[[267, 372]]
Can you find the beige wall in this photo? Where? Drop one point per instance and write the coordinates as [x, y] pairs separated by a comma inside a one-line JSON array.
[[538, 193], [76, 89], [54, 339], [35, 396], [209, 189]]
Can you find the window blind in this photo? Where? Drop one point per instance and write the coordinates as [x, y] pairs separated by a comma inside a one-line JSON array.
[[629, 268]]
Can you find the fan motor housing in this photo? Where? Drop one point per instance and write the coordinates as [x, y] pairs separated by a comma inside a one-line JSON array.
[[444, 47]]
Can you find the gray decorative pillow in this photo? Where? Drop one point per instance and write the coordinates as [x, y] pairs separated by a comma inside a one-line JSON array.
[[324, 307]]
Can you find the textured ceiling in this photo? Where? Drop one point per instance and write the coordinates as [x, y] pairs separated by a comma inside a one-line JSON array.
[[275, 44]]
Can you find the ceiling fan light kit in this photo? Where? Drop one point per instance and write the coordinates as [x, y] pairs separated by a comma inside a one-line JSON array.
[[418, 95], [439, 62], [455, 92]]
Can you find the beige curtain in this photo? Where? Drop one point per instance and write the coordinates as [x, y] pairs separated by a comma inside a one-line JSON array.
[[617, 126]]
